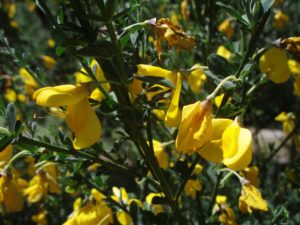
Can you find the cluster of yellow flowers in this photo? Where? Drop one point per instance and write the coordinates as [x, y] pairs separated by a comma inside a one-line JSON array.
[[14, 188], [275, 64]]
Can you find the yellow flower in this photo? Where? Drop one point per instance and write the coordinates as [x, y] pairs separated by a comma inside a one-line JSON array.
[[49, 62], [184, 9], [40, 218], [157, 208], [97, 195], [294, 66], [221, 199], [14, 24], [218, 100], [11, 9], [30, 84], [196, 78], [226, 28], [121, 196], [274, 64], [91, 214], [82, 77], [224, 52], [212, 150], [191, 187], [251, 174], [80, 116], [42, 183], [160, 154], [10, 193], [198, 169], [251, 199], [5, 155], [10, 95], [236, 146], [195, 128], [227, 217], [280, 19], [288, 121], [173, 34], [295, 69], [51, 43], [173, 114], [230, 144], [124, 218]]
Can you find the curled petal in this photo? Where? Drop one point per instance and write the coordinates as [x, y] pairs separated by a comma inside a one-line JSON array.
[[173, 115], [154, 71], [196, 127], [212, 150], [243, 156], [83, 121], [61, 95]]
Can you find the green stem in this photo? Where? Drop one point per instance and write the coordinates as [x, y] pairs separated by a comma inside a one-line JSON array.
[[157, 173], [215, 92], [191, 169], [214, 194], [98, 84], [253, 40], [110, 165], [241, 179]]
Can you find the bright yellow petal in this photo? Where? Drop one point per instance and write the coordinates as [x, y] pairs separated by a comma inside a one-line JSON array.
[[160, 154], [154, 71], [243, 156], [61, 95], [230, 140], [294, 66], [124, 218], [224, 52], [84, 122], [274, 63], [5, 155], [173, 115], [196, 79], [195, 128]]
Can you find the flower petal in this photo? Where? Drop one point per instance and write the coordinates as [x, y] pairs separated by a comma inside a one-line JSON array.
[[83, 121], [61, 95], [243, 156], [173, 115]]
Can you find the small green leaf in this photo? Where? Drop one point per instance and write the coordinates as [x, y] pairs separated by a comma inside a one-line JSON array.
[[59, 50], [219, 65], [108, 106], [5, 141], [233, 12], [11, 117]]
